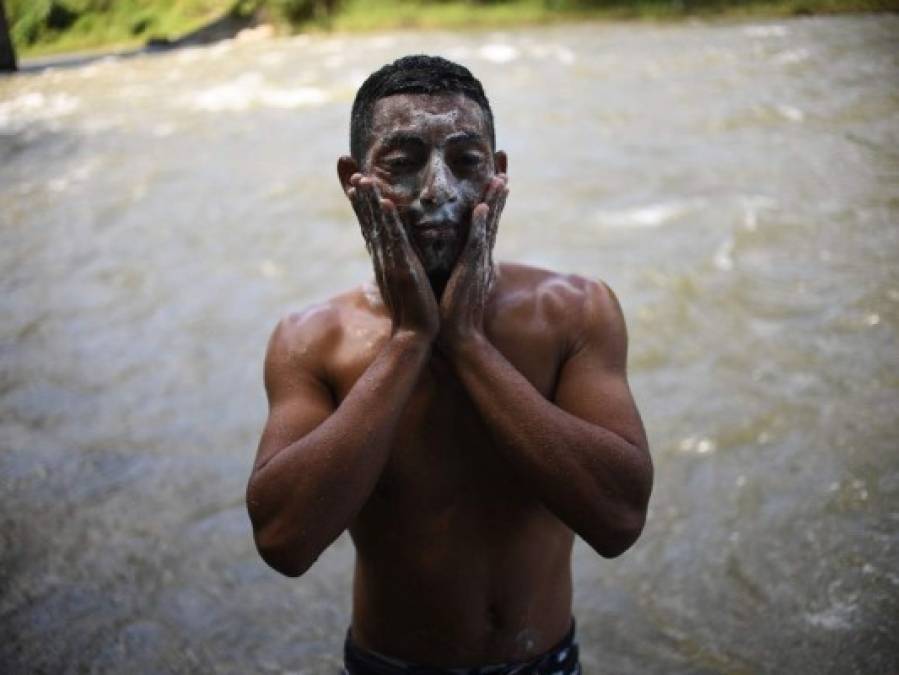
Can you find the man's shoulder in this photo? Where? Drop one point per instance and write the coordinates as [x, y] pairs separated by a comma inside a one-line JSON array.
[[306, 333], [557, 295], [576, 310]]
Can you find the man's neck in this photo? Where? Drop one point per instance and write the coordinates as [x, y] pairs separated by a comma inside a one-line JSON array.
[[439, 280]]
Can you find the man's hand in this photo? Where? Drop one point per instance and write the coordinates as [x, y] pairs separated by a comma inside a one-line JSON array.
[[401, 278], [465, 297]]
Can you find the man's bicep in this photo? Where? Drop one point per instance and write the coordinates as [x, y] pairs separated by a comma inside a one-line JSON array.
[[593, 381], [299, 400]]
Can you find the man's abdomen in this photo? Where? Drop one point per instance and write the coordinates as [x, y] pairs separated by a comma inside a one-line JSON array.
[[469, 584]]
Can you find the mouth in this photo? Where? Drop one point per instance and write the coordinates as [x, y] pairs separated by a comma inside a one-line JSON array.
[[436, 229]]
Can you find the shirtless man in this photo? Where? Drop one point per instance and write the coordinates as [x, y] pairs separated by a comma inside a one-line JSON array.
[[463, 419]]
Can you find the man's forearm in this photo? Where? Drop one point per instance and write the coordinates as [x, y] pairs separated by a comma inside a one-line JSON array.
[[311, 490], [594, 480]]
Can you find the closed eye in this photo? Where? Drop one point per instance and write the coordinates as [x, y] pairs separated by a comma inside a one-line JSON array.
[[470, 159], [398, 162]]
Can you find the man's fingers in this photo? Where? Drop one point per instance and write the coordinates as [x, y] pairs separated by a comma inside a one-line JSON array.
[[368, 192], [496, 183], [368, 202], [392, 253], [495, 199], [353, 185], [392, 220], [398, 253], [392, 223], [362, 214], [395, 257], [497, 203], [380, 264], [378, 218], [355, 199], [495, 212], [404, 255], [477, 236]]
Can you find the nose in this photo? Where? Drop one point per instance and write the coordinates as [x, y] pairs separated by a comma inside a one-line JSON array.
[[436, 189]]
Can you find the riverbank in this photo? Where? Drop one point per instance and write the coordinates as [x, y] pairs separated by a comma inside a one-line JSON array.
[[53, 27], [392, 14]]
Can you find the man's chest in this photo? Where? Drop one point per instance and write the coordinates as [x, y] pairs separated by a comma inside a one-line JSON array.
[[443, 453], [525, 339]]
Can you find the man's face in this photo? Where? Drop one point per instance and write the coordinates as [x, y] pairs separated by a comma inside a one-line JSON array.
[[431, 156]]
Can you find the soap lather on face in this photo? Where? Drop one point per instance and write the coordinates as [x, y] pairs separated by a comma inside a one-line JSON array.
[[431, 156]]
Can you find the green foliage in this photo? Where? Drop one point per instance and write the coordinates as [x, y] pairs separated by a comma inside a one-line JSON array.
[[300, 11], [57, 25], [245, 8], [142, 22], [294, 11], [38, 26], [27, 19]]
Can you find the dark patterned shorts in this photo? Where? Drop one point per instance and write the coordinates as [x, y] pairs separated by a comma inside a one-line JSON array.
[[560, 660]]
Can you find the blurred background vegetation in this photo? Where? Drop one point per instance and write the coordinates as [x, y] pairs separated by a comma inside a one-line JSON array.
[[48, 26]]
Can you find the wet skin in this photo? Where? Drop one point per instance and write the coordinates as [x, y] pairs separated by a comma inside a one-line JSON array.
[[463, 419]]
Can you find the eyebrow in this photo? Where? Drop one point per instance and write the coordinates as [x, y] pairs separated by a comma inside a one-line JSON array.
[[401, 138], [466, 137], [398, 138]]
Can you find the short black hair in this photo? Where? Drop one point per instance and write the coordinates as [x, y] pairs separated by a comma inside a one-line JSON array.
[[415, 74]]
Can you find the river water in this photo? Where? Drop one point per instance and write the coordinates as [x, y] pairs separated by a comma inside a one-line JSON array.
[[736, 183]]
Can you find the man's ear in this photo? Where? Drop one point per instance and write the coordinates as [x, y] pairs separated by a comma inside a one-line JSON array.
[[500, 162], [346, 167]]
